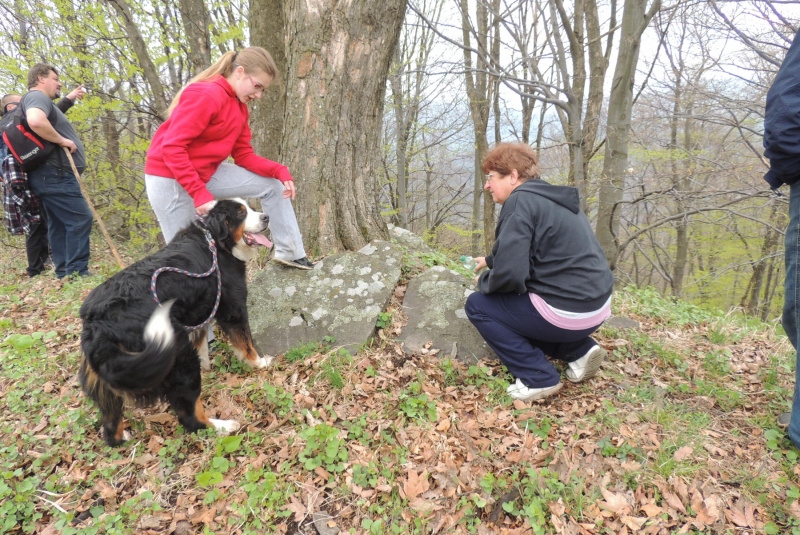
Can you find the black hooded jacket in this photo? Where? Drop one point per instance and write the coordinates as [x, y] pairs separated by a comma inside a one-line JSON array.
[[782, 121], [545, 245]]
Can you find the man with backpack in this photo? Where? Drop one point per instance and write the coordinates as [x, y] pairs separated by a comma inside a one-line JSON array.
[[22, 210], [69, 218]]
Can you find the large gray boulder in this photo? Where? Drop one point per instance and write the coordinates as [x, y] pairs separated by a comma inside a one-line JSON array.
[[341, 298], [408, 239], [434, 306]]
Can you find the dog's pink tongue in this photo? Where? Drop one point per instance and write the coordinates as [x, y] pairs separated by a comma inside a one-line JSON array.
[[261, 240]]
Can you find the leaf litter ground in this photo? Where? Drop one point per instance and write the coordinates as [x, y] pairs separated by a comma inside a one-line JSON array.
[[676, 434]]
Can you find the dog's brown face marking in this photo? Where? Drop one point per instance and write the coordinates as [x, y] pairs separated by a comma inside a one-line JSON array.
[[236, 226], [238, 233]]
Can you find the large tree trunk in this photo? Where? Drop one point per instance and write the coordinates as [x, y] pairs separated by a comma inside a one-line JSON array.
[[268, 30], [620, 104], [338, 57]]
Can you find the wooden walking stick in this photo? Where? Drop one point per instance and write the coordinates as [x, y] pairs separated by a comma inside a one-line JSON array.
[[94, 212]]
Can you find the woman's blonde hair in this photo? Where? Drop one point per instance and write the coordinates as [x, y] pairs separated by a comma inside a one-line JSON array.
[[253, 59]]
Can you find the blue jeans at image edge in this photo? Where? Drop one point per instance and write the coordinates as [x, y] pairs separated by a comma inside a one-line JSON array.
[[68, 215], [791, 303]]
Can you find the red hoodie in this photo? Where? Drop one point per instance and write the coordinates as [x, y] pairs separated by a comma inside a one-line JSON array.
[[208, 125]]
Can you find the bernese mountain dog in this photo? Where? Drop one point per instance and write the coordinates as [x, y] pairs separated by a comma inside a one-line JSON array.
[[141, 352]]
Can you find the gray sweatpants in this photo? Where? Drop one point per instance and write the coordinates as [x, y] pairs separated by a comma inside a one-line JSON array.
[[174, 207]]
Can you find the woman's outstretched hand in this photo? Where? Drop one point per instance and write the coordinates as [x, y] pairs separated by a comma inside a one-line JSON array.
[[203, 209], [289, 190]]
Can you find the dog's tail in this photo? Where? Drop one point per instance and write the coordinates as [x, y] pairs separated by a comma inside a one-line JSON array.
[[138, 372]]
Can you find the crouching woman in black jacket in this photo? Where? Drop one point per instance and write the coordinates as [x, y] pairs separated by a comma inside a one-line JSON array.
[[548, 286]]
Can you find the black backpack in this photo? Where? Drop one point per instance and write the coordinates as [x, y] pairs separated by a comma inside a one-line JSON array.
[[24, 144]]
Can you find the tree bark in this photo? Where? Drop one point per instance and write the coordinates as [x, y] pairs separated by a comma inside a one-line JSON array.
[[140, 49], [479, 92], [195, 24], [634, 21], [23, 31], [752, 301], [268, 30], [401, 137], [338, 56]]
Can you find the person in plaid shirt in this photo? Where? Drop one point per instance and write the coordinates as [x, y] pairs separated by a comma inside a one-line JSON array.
[[21, 208]]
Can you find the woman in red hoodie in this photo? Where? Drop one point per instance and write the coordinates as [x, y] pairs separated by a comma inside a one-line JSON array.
[[208, 122]]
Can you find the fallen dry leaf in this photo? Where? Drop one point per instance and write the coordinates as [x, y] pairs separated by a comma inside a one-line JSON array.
[[633, 522], [416, 484], [651, 509], [615, 502], [683, 453], [674, 502]]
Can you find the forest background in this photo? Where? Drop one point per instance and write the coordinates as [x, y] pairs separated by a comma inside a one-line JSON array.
[[653, 109]]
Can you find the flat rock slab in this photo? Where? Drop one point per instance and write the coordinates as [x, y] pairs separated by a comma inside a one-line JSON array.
[[619, 322], [408, 239], [434, 306], [341, 298]]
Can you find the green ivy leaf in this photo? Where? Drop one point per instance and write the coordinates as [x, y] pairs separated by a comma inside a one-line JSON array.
[[231, 443], [21, 341], [206, 479]]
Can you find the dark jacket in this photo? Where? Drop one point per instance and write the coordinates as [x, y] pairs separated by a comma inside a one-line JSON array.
[[545, 245], [782, 121]]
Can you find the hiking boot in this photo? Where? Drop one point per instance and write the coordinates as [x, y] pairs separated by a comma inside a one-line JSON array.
[[300, 263], [586, 366], [783, 419], [517, 390]]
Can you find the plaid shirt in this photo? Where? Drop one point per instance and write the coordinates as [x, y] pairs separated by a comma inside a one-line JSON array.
[[20, 205]]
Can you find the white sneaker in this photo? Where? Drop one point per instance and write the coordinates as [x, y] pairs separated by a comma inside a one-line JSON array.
[[586, 366], [517, 390]]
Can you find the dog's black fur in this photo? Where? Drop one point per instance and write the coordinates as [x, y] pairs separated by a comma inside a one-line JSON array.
[[134, 350]]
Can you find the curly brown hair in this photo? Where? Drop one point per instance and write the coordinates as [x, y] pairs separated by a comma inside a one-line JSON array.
[[505, 157]]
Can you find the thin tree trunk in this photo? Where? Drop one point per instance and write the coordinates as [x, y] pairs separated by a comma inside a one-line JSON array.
[[681, 228], [620, 104], [752, 299], [401, 136], [140, 49], [195, 24]]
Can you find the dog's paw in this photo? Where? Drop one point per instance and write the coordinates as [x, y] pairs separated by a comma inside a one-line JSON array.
[[263, 362], [225, 427], [114, 441]]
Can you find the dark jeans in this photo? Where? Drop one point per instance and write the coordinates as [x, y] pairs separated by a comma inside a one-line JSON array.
[[37, 247], [69, 220], [791, 301], [519, 335]]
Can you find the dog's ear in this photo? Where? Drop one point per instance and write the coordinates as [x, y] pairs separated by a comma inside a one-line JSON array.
[[216, 223]]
